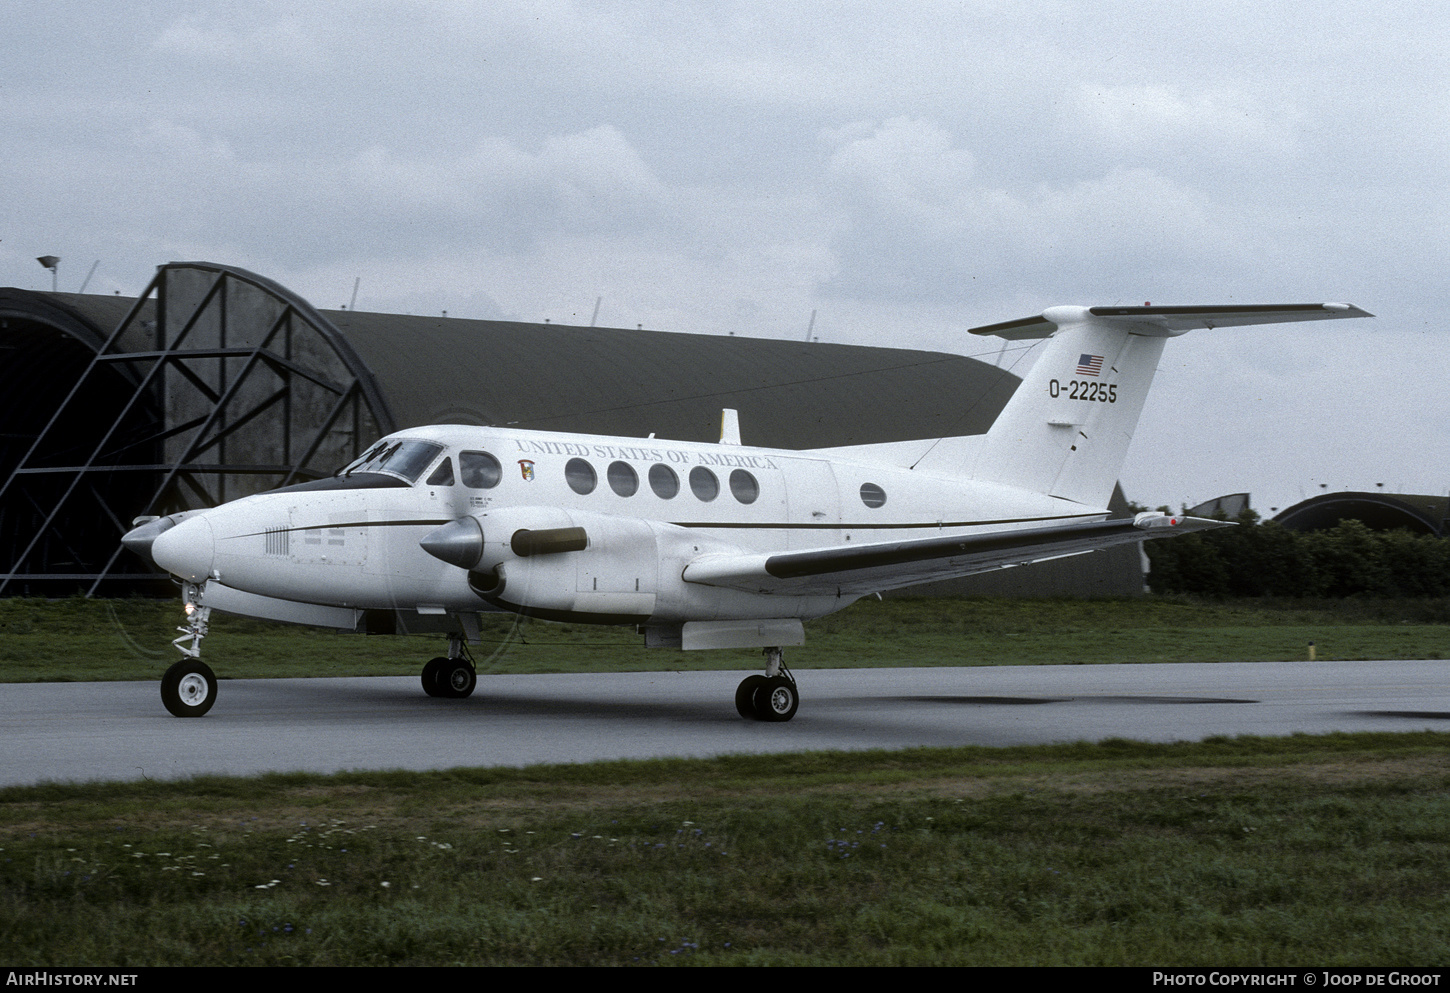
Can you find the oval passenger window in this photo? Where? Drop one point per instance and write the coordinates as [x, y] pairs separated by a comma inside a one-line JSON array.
[[744, 486], [623, 479], [663, 481], [704, 484], [581, 476]]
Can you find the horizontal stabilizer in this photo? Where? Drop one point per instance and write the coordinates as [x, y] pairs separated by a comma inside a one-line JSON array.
[[1168, 320], [861, 569]]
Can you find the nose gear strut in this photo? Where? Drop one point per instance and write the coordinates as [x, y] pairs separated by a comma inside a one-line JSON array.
[[188, 689]]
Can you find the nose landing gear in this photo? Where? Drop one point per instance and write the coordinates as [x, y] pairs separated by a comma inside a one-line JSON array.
[[188, 689]]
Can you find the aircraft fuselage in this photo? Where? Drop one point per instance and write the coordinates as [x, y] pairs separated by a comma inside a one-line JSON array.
[[648, 508]]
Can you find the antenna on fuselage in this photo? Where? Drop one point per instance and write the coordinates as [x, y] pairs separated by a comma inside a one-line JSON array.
[[729, 426]]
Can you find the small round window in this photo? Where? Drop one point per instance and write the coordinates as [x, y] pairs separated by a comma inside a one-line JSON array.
[[872, 495], [479, 470], [581, 476], [623, 479], [744, 486], [663, 481], [704, 484]]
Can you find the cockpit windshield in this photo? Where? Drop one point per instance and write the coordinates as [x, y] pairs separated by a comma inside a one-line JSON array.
[[405, 459]]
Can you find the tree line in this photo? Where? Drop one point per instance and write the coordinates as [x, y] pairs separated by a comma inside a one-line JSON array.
[[1267, 560]]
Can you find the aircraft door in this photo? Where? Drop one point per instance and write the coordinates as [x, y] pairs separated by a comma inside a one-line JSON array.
[[813, 503]]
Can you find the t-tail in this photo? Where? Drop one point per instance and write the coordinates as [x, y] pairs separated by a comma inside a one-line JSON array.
[[1066, 430]]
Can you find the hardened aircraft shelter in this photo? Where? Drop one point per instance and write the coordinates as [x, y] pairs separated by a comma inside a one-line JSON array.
[[1419, 514], [216, 383]]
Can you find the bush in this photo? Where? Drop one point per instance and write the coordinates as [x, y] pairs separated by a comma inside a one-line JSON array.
[[1266, 560]]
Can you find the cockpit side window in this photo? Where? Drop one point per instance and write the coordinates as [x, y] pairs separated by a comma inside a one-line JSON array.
[[443, 475], [480, 470]]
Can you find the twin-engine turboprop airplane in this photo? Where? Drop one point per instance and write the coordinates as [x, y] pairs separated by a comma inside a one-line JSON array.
[[697, 545]]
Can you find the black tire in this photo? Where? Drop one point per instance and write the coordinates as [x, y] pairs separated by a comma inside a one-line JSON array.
[[431, 684], [456, 679], [189, 688], [776, 700], [745, 696]]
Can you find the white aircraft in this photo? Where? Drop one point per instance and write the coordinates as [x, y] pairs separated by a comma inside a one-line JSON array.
[[697, 545]]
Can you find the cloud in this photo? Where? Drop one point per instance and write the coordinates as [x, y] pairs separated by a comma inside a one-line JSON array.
[[499, 194], [916, 224], [905, 170], [1155, 120], [177, 144], [281, 40]]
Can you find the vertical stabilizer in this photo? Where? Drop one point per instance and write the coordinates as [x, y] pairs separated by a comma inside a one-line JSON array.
[[1066, 430]]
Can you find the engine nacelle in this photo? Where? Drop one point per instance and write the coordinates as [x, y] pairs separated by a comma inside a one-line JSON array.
[[555, 563], [481, 542], [573, 565]]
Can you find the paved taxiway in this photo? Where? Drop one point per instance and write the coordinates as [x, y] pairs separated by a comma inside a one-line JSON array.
[[119, 731]]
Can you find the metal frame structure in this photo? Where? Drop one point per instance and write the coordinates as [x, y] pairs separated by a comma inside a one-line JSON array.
[[237, 385]]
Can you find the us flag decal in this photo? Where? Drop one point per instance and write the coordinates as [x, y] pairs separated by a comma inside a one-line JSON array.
[[1089, 365]]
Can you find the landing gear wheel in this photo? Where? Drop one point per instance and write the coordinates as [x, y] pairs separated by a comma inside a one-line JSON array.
[[775, 699], [456, 678], [745, 696], [431, 684], [189, 688]]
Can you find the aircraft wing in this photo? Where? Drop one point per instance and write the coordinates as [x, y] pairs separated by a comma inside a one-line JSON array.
[[870, 568]]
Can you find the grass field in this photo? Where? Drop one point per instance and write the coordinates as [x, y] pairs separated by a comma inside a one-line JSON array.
[[81, 639], [1299, 851]]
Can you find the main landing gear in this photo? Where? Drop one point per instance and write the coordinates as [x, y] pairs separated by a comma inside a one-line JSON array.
[[771, 697], [454, 676], [188, 689]]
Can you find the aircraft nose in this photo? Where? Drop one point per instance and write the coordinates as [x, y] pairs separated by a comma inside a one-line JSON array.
[[458, 543], [186, 550]]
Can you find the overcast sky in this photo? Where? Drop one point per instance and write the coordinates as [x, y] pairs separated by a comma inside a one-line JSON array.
[[908, 171]]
